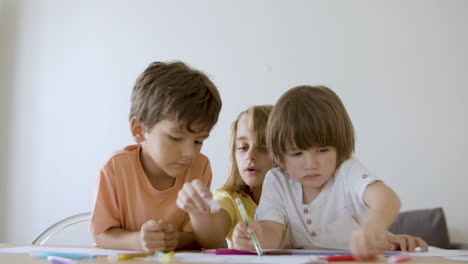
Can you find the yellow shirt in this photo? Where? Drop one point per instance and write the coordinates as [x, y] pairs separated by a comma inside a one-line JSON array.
[[227, 202]]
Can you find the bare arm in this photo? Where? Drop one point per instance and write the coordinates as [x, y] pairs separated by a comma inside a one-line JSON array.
[[372, 236], [272, 234], [383, 203], [153, 236], [211, 229], [117, 238]]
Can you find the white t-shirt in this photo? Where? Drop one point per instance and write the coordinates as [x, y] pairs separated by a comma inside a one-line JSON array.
[[327, 222]]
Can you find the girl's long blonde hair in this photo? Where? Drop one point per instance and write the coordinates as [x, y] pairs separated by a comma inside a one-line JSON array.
[[257, 122]]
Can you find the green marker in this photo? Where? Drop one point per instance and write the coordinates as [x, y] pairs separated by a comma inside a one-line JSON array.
[[245, 217]]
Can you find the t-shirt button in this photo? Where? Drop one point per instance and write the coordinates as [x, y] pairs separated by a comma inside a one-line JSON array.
[[309, 221], [306, 211], [313, 234], [364, 176]]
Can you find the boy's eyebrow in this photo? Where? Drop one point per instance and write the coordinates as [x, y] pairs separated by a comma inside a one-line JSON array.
[[291, 148], [175, 129], [179, 131], [241, 138]]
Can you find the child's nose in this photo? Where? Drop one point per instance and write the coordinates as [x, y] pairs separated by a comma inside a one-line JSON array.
[[311, 162], [251, 154], [188, 151]]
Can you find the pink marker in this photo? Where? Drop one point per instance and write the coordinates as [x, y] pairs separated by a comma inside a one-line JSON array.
[[399, 258]]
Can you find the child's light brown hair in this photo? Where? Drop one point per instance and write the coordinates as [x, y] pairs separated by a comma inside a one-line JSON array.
[[306, 117], [175, 90], [257, 122]]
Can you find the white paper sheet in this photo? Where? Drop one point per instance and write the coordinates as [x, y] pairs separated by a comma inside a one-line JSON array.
[[461, 258], [211, 258], [439, 252], [89, 251]]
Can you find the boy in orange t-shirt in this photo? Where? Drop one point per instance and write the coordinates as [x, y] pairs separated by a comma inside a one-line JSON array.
[[173, 109]]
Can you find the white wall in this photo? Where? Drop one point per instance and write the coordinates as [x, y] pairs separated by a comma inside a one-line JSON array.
[[6, 60], [399, 66]]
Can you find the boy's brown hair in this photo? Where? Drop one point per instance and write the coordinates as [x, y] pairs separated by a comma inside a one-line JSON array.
[[175, 90], [306, 117], [257, 122]]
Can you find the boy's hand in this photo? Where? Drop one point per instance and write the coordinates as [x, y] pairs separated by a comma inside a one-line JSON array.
[[171, 237], [369, 240], [241, 235], [158, 236], [190, 198], [407, 242]]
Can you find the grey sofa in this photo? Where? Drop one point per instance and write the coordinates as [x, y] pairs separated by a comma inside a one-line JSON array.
[[428, 224]]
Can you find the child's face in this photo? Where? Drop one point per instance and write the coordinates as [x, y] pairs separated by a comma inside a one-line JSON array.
[[252, 162], [171, 150], [312, 167]]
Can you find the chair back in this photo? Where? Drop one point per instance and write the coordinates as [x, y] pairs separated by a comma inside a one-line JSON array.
[[70, 231], [428, 224]]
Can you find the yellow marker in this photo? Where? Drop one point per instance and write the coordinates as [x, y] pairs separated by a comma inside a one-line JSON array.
[[167, 257], [164, 257], [127, 256]]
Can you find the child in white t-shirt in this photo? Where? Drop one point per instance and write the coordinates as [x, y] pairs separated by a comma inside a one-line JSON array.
[[320, 196]]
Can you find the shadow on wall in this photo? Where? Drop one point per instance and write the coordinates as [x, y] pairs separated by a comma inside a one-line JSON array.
[[8, 26]]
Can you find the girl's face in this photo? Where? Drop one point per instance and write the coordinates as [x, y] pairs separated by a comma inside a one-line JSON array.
[[312, 167], [252, 162]]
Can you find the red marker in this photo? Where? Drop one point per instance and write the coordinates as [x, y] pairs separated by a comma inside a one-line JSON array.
[[338, 258]]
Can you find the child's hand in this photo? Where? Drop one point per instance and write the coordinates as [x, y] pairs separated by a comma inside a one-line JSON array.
[[190, 198], [407, 242], [369, 240], [171, 237], [241, 235], [158, 236]]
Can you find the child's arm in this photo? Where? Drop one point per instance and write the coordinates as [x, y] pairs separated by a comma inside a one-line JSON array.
[[153, 236], [210, 229], [371, 237], [383, 203], [269, 234], [117, 238]]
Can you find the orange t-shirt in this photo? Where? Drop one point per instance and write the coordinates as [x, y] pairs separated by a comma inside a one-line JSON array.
[[126, 199]]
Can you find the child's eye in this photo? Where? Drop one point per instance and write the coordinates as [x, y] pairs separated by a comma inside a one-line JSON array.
[[174, 138], [296, 154], [198, 142], [243, 148], [322, 150]]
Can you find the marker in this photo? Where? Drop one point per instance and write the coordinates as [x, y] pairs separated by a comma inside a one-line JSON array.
[[60, 260], [227, 251], [245, 217], [63, 255], [127, 256], [163, 257], [338, 258], [399, 258], [213, 204], [158, 255]]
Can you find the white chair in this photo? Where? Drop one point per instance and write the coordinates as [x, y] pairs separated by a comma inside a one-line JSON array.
[[70, 231]]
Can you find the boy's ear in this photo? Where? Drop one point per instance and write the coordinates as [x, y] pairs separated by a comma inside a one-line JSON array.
[[137, 129]]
